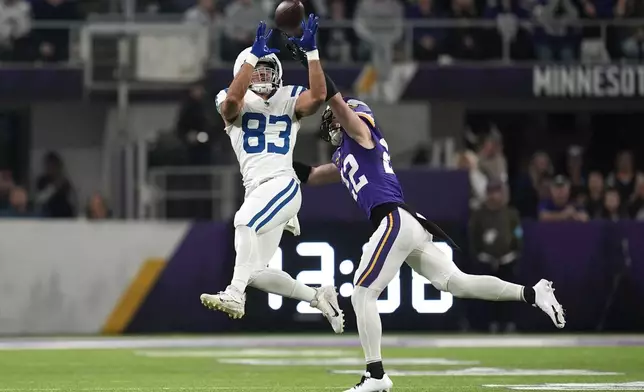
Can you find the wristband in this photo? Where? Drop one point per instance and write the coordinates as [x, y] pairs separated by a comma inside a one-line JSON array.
[[331, 89], [303, 171], [252, 60], [313, 55]]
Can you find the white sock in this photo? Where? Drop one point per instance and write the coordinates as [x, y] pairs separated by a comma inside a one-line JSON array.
[[278, 282], [484, 287], [368, 320], [246, 259]]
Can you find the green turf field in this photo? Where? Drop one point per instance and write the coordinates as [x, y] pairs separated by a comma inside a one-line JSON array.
[[320, 369]]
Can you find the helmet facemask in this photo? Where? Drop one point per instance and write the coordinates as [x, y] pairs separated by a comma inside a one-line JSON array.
[[265, 77], [330, 128]]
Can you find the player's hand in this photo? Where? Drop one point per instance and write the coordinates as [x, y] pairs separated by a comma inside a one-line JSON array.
[[259, 48], [309, 29], [296, 52]]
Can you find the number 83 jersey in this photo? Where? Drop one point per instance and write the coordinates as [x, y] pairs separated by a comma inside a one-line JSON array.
[[367, 173], [264, 134]]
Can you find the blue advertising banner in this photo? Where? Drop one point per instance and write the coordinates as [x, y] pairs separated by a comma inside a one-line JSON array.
[[463, 82]]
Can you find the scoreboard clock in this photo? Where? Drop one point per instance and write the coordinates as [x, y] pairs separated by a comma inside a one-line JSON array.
[[325, 269], [329, 254]]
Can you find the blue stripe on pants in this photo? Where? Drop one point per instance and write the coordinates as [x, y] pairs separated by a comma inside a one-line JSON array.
[[279, 207], [271, 203]]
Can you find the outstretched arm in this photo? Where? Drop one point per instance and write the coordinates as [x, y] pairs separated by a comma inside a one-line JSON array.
[[310, 101], [319, 175], [232, 104], [325, 174], [355, 127]]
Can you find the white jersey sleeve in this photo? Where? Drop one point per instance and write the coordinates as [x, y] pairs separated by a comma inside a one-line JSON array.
[[219, 99], [291, 93]]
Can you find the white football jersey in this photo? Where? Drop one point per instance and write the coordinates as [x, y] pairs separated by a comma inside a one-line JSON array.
[[264, 134]]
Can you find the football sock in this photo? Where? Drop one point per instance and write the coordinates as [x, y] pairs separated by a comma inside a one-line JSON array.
[[246, 259], [368, 320], [278, 282], [376, 370], [529, 295], [484, 287]]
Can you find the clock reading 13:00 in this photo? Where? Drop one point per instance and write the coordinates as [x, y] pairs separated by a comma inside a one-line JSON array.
[[325, 275]]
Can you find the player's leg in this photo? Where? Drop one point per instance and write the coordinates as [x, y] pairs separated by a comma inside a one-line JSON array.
[[432, 263], [275, 281], [269, 205], [383, 255]]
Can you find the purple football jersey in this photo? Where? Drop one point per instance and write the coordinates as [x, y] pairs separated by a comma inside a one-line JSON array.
[[367, 173]]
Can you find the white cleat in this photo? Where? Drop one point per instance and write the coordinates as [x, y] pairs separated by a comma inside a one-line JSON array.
[[326, 300], [368, 384], [229, 302], [546, 301]]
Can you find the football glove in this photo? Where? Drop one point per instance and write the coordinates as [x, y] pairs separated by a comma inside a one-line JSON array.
[[259, 48], [309, 29]]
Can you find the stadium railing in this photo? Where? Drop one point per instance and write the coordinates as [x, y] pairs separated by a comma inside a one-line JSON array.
[[405, 48]]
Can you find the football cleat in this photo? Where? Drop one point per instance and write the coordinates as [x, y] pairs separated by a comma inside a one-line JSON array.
[[229, 302], [368, 384], [546, 301], [326, 300]]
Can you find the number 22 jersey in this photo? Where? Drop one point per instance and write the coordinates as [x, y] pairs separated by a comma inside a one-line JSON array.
[[367, 173]]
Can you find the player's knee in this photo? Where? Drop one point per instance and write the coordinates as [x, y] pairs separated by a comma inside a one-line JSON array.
[[458, 285], [361, 295], [442, 279], [245, 236], [358, 296], [254, 275]]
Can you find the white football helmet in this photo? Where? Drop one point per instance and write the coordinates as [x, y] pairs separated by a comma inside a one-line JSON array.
[[267, 75]]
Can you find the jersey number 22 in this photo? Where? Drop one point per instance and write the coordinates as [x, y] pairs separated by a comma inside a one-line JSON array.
[[350, 169], [258, 129]]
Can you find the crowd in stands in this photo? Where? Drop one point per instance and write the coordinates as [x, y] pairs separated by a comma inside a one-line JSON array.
[[54, 196], [544, 192], [548, 38], [548, 193], [548, 34]]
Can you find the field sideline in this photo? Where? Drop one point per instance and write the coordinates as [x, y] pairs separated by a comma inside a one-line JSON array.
[[322, 363]]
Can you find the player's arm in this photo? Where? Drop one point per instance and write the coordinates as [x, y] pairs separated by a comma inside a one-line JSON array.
[[230, 107], [311, 100], [355, 127], [232, 104], [319, 175]]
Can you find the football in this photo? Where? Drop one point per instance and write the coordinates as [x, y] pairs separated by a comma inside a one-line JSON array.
[[289, 15]]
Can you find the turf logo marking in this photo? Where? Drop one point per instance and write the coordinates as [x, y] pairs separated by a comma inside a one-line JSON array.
[[625, 386]]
